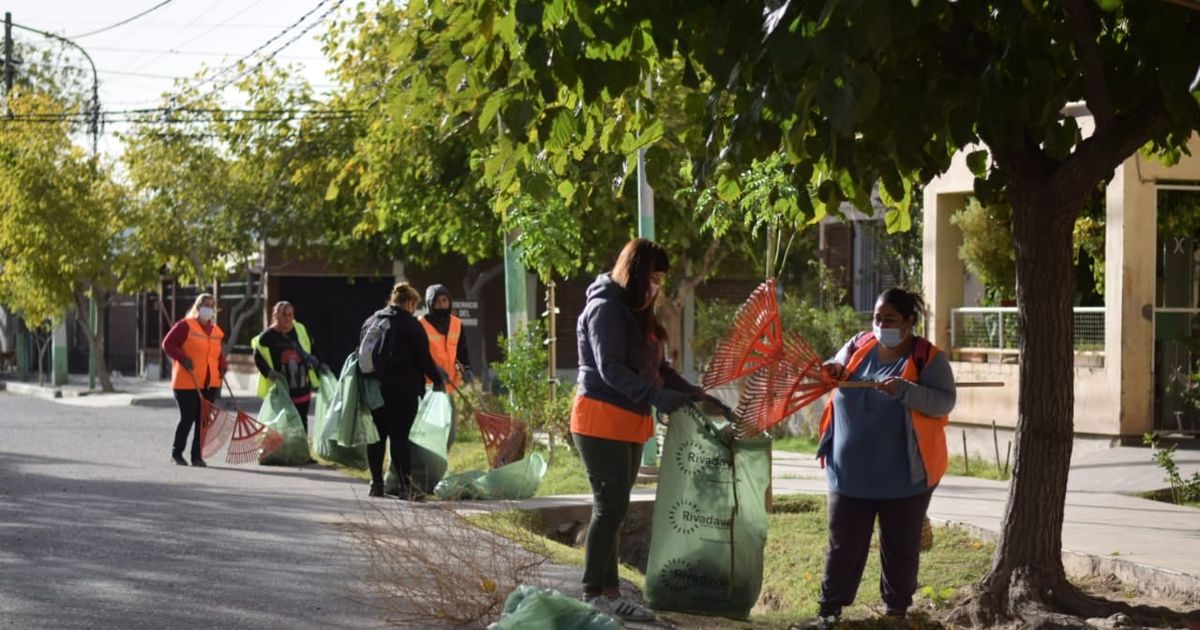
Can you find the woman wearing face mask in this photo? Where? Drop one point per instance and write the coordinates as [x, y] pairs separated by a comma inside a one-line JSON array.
[[622, 374], [884, 452], [194, 345]]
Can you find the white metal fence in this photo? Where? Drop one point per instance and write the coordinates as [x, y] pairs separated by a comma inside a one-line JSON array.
[[994, 329]]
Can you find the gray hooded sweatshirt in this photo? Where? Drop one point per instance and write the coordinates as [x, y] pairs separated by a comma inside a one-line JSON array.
[[617, 364]]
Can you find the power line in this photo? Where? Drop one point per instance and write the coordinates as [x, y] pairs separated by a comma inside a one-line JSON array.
[[125, 21], [232, 67], [206, 32]]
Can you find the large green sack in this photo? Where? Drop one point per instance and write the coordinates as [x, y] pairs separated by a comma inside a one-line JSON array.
[[532, 608], [280, 415], [427, 445], [324, 429], [518, 480], [428, 440], [710, 520], [350, 408]]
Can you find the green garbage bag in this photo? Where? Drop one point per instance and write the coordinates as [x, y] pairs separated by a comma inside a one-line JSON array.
[[428, 439], [279, 414], [350, 408], [518, 480], [532, 608], [324, 429], [710, 520], [427, 445]]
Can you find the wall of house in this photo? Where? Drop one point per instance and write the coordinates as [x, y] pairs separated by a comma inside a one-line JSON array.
[[1096, 404]]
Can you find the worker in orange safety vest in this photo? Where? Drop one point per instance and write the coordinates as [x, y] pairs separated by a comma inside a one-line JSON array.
[[447, 343]]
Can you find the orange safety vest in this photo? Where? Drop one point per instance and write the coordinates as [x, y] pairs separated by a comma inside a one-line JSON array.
[[204, 349], [597, 418], [931, 432], [444, 349]]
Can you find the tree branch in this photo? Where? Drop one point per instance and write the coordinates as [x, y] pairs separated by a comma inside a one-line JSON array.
[[1082, 24], [1097, 156]]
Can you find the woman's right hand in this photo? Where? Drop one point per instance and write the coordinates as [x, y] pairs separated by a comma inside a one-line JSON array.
[[834, 370]]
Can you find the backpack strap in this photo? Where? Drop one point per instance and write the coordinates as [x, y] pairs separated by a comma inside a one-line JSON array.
[[856, 341], [920, 353]]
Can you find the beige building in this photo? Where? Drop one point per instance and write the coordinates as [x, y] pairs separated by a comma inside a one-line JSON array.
[[1133, 355]]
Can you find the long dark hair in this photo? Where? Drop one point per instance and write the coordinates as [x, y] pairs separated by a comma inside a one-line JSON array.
[[909, 304], [637, 260]]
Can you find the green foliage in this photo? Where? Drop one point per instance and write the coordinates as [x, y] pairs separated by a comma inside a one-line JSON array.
[[523, 374], [987, 248], [825, 329], [1183, 490]]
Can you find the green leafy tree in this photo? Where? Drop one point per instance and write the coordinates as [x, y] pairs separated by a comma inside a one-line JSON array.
[[987, 248], [856, 93], [68, 233]]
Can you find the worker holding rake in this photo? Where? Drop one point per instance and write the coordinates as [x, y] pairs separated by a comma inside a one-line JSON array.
[[883, 445], [194, 345]]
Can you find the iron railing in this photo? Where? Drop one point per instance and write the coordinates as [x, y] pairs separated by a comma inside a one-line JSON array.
[[994, 329]]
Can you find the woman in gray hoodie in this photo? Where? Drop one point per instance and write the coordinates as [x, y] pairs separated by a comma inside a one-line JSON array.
[[622, 373]]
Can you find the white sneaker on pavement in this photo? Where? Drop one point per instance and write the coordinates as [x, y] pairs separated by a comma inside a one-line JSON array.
[[623, 608]]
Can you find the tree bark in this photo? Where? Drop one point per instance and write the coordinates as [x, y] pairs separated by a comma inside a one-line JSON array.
[[473, 285], [1027, 581], [96, 338]]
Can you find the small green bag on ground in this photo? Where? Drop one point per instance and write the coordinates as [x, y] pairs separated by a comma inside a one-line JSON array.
[[532, 608], [706, 556], [279, 414], [518, 480], [324, 428]]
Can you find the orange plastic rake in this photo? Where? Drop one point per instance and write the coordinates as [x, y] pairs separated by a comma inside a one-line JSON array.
[[755, 339], [216, 426], [503, 437], [250, 438], [782, 388]]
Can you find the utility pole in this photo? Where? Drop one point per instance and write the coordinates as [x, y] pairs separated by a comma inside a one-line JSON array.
[[8, 57]]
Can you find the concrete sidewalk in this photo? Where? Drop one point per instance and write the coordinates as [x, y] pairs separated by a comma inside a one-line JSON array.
[[129, 391]]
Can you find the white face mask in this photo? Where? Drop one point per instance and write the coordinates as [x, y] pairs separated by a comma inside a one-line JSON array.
[[205, 313], [889, 337]]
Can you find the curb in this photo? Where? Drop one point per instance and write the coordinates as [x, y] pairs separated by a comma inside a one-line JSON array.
[[31, 389], [1154, 581]]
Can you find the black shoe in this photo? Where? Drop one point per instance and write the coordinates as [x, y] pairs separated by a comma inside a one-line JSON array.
[[376, 489], [179, 460], [196, 461]]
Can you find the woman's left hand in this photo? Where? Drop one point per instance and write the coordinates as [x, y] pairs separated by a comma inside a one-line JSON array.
[[889, 386]]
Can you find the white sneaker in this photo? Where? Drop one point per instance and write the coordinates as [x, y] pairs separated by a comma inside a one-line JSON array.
[[621, 607]]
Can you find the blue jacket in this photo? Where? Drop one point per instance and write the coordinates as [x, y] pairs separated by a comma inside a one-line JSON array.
[[617, 364]]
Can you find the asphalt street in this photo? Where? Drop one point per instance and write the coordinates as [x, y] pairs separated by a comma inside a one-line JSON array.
[[98, 529]]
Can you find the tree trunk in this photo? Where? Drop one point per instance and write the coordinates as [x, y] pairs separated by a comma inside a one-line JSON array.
[[95, 338], [473, 284], [1027, 581], [247, 307]]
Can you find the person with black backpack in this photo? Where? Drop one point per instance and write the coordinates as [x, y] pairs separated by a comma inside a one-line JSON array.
[[883, 447], [395, 349]]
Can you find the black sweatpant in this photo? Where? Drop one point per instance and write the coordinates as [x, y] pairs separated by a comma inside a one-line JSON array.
[[302, 407], [188, 401], [612, 468], [851, 524], [393, 421]]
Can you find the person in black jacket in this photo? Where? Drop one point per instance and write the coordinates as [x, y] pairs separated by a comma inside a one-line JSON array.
[[402, 364]]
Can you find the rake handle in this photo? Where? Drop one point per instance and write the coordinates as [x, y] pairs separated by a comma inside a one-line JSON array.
[[873, 384]]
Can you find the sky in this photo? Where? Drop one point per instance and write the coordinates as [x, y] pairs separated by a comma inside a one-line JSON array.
[[138, 61]]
